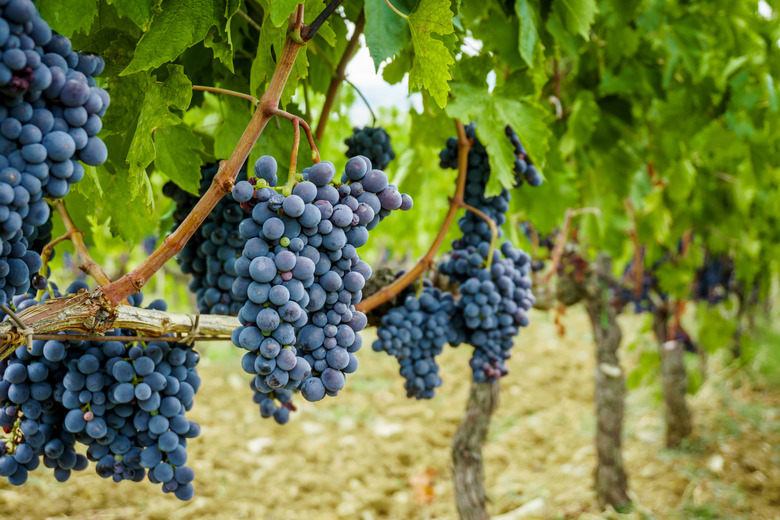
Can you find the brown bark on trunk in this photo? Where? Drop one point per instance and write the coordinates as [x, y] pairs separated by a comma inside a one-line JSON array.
[[674, 380], [467, 468], [611, 479]]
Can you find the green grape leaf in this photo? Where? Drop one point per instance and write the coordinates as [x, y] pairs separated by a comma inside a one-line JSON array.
[[584, 117], [220, 40], [132, 217], [280, 11], [386, 32], [233, 121], [68, 16], [178, 157], [138, 11], [432, 57], [178, 25], [492, 111], [529, 35], [577, 15], [155, 114]]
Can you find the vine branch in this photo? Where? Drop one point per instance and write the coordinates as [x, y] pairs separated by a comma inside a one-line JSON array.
[[93, 314], [88, 265], [338, 77], [217, 90], [312, 29], [456, 202], [297, 120], [222, 184]]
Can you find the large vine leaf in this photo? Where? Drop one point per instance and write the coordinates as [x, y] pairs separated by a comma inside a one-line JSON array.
[[577, 15], [386, 32], [178, 157], [529, 35], [178, 25], [220, 40], [139, 11], [280, 11], [68, 16], [158, 100], [492, 111], [432, 57]]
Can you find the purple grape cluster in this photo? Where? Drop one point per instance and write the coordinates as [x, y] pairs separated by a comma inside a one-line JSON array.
[[126, 402], [495, 296], [524, 168], [372, 143], [210, 254], [50, 115], [415, 333], [301, 275]]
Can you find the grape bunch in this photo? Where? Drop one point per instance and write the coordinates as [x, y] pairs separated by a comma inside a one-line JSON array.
[[210, 254], [524, 168], [495, 296], [268, 403], [50, 115], [372, 143], [415, 333], [493, 306], [301, 275], [714, 279], [126, 402], [52, 107], [643, 300]]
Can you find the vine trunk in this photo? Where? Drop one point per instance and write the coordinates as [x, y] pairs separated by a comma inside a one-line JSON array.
[[467, 467]]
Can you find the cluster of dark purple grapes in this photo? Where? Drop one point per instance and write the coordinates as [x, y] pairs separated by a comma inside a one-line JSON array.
[[50, 115], [210, 255], [714, 280], [373, 143], [643, 301], [495, 293], [268, 403], [524, 168], [415, 333], [301, 276], [125, 401]]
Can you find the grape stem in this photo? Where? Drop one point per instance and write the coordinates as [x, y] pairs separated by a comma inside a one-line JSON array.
[[297, 120], [222, 184], [217, 90], [92, 313], [396, 11], [88, 265], [249, 20], [288, 187], [339, 76], [389, 292]]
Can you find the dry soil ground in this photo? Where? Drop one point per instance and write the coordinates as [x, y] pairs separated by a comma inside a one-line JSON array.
[[373, 454]]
